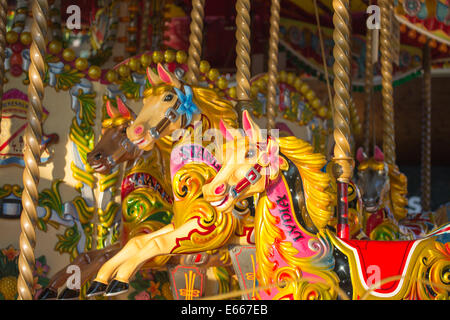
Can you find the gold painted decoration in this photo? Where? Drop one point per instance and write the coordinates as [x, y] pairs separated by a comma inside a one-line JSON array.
[[216, 227]]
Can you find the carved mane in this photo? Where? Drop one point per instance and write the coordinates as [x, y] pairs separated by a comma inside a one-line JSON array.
[[319, 203], [213, 107], [316, 183], [398, 191]]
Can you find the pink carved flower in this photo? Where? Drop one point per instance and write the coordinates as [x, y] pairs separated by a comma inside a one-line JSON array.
[[144, 295], [41, 269]]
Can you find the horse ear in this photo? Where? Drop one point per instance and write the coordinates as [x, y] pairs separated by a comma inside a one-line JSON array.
[[360, 155], [225, 132], [250, 127], [378, 154], [111, 110], [153, 77], [123, 109], [167, 77]]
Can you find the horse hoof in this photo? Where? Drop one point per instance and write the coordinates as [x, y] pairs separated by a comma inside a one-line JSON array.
[[48, 294], [96, 289], [69, 294], [115, 288]]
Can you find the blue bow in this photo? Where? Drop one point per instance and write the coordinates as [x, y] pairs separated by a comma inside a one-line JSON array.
[[187, 106]]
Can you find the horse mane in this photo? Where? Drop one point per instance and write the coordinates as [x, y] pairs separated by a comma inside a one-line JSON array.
[[215, 108], [316, 183], [319, 204], [398, 191]]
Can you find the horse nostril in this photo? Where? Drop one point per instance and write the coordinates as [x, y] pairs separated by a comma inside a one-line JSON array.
[[220, 189], [138, 130], [98, 156]]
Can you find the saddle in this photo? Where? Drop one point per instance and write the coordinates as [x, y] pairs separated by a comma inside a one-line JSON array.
[[379, 260]]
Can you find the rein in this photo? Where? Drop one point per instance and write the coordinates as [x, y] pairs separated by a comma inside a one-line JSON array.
[[252, 176], [172, 114]]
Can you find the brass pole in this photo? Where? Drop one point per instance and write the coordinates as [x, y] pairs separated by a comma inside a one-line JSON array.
[[195, 41], [273, 64], [426, 131], [343, 161], [3, 12], [32, 154], [368, 91], [243, 49], [386, 82]]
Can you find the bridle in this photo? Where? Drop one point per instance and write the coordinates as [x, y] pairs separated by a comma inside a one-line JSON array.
[[252, 176], [170, 116], [126, 147]]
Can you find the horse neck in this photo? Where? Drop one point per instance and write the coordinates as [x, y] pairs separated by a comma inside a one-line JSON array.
[[286, 217], [281, 241], [152, 169], [197, 120]]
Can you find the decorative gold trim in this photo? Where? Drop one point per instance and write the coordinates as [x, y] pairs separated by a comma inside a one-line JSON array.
[[273, 63], [195, 41]]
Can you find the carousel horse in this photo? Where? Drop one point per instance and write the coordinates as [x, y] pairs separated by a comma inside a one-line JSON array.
[[196, 226], [383, 190], [293, 263], [142, 211], [146, 198]]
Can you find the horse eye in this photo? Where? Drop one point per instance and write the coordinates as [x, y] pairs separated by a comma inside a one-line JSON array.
[[250, 154], [124, 130], [169, 97]]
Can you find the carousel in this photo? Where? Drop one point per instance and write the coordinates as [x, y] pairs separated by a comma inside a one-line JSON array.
[[140, 160]]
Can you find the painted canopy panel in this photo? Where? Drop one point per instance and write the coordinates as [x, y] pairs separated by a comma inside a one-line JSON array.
[[429, 17]]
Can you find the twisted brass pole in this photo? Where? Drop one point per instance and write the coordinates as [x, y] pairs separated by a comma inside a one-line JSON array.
[[195, 41], [144, 26], [386, 82], [426, 131], [343, 161], [243, 48], [33, 134], [273, 64], [3, 12], [368, 90]]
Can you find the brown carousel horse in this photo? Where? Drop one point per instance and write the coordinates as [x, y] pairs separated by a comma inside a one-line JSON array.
[[294, 263], [142, 187], [384, 190]]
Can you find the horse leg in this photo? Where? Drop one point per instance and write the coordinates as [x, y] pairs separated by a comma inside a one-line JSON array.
[[97, 259], [108, 269], [60, 278], [148, 249]]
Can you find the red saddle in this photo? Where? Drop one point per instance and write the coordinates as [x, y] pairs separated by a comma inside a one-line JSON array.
[[389, 258]]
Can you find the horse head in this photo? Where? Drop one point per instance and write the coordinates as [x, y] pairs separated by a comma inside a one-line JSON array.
[[167, 107], [249, 162], [372, 179], [114, 146]]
